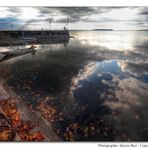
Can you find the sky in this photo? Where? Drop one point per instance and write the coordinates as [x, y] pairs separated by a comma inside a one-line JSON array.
[[74, 18]]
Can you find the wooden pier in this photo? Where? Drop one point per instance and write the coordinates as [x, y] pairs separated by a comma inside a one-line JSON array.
[[17, 37]]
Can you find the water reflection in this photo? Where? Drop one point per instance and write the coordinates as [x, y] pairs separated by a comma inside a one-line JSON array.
[[114, 40], [117, 100], [90, 89]]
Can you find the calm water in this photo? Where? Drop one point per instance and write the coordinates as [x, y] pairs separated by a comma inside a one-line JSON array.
[[94, 88]]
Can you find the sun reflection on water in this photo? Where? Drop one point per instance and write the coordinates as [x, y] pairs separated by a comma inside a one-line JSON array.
[[113, 40]]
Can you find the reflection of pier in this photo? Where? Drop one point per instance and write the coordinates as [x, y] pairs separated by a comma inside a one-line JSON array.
[[22, 50], [18, 37]]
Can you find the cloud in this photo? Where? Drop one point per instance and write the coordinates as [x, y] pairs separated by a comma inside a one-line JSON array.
[[74, 14], [77, 14], [91, 15], [15, 10], [144, 11], [144, 14]]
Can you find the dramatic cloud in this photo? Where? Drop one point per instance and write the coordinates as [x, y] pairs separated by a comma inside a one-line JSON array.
[[119, 18], [144, 11]]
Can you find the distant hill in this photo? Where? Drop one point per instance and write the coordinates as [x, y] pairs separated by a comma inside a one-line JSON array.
[[143, 30], [103, 30]]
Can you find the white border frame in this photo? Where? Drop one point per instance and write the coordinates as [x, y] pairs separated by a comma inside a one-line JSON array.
[[73, 2]]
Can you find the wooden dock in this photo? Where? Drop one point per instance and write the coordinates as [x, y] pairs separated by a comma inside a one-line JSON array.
[[31, 33], [17, 37]]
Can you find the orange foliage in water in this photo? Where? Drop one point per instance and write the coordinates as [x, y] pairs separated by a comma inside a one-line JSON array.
[[10, 110], [6, 134], [49, 112], [25, 133], [6, 131], [38, 136], [23, 128]]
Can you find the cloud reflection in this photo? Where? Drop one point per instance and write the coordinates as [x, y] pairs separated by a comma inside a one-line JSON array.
[[137, 69], [83, 74], [131, 99]]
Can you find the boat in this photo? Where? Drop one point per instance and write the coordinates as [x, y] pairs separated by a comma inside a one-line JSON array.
[[19, 51]]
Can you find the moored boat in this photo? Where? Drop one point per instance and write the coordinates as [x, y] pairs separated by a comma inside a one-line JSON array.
[[19, 51]]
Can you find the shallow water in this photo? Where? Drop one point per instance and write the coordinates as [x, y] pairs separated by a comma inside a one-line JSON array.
[[93, 88]]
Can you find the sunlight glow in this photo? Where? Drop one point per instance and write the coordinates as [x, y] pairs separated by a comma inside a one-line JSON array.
[[29, 13]]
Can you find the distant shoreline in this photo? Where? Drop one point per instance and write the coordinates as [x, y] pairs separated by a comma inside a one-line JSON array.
[[107, 30], [102, 30]]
